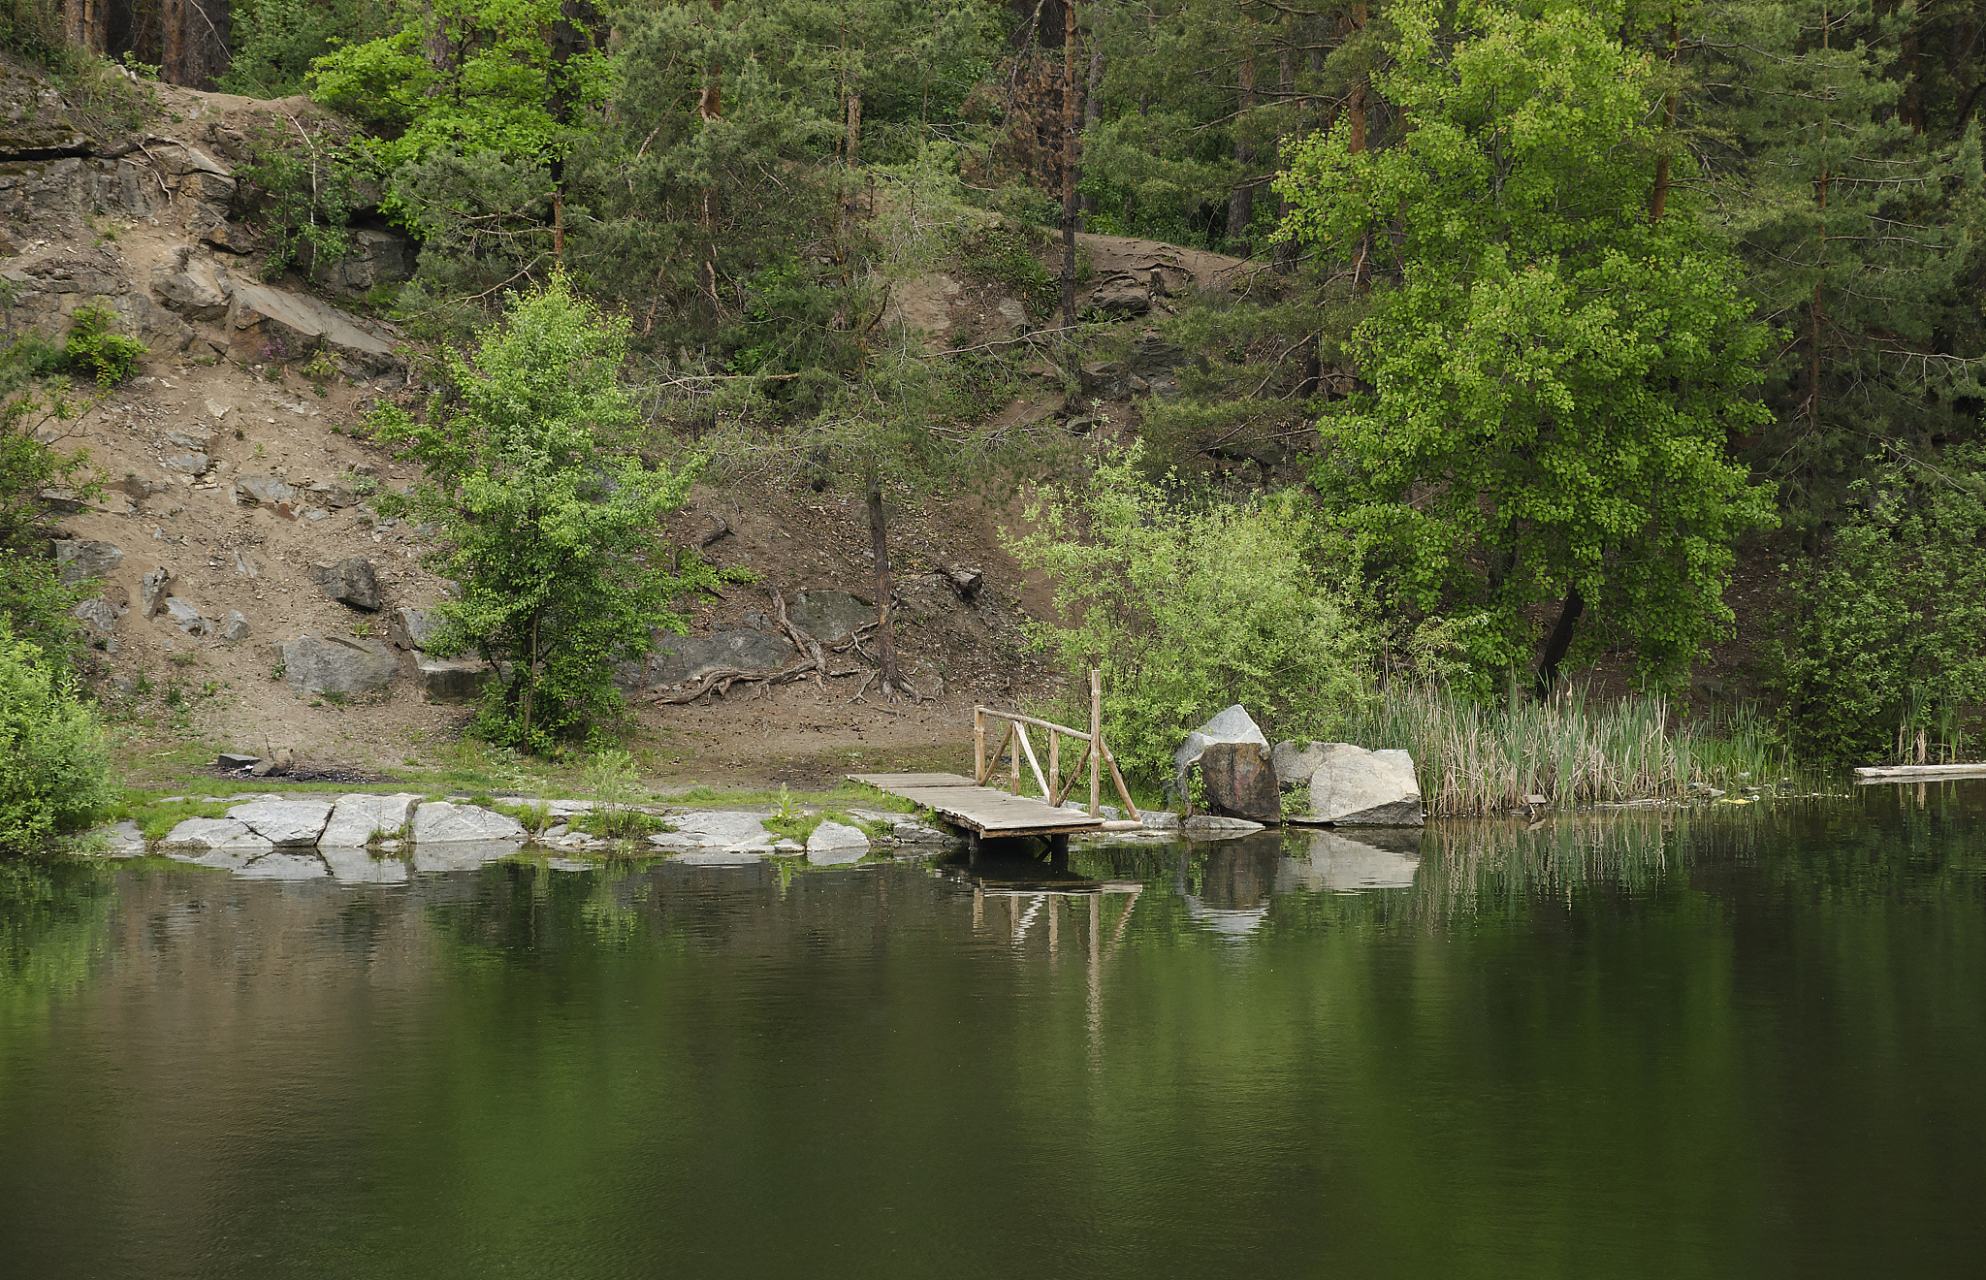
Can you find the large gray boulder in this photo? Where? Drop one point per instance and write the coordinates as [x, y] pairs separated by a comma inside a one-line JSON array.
[[78, 561], [372, 258], [829, 616], [196, 288], [681, 658], [267, 324], [1356, 787], [356, 817], [268, 489], [337, 665], [99, 617], [1240, 783], [351, 581], [730, 831], [439, 822], [286, 824], [1231, 725]]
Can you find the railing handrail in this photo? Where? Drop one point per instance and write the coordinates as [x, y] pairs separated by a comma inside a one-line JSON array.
[[1037, 722]]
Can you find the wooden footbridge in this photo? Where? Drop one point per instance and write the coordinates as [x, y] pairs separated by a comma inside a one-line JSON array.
[[991, 813]]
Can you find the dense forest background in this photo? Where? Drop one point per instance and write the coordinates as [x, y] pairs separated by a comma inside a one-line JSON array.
[[1565, 307]]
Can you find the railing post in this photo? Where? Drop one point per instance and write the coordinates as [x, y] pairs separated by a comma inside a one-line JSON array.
[[1014, 758], [978, 745], [1054, 769], [1096, 742]]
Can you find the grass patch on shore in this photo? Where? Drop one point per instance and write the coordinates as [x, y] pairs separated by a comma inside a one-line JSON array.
[[1474, 760]]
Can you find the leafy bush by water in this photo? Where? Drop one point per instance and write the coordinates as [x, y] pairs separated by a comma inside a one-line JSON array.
[[54, 768], [1190, 606]]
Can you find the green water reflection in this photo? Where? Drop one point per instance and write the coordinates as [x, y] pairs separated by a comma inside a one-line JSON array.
[[1744, 1042]]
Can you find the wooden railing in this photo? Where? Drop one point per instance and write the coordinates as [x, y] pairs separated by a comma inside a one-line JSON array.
[[1014, 743]]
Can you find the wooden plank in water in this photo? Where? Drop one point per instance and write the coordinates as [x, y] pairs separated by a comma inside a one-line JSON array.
[[1919, 772]]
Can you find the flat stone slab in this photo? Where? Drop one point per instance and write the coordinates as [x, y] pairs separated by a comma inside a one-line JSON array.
[[123, 840], [439, 822], [357, 816], [1206, 826], [721, 858], [286, 824], [208, 835], [722, 829]]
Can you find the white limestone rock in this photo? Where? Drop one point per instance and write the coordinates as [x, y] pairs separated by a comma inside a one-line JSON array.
[[833, 843], [209, 835], [357, 816], [286, 824], [439, 822], [1356, 787]]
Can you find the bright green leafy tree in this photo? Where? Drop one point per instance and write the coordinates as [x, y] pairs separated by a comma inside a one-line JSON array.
[[1187, 607], [547, 518], [1549, 374]]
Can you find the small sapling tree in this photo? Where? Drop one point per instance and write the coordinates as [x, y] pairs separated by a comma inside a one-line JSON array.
[[546, 518]]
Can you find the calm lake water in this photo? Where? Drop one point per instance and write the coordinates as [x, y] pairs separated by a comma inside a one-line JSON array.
[[1736, 1042]]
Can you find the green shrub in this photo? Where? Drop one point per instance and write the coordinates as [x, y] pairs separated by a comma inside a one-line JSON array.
[[1189, 606], [54, 769], [1885, 638], [95, 349]]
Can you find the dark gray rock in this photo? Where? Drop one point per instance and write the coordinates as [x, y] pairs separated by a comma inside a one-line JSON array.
[[337, 665], [412, 628], [236, 629], [190, 464], [77, 561], [443, 680], [829, 616], [152, 592], [681, 658], [268, 489], [372, 258], [186, 617], [1118, 296], [350, 581], [232, 760], [99, 617], [1240, 782], [1231, 725]]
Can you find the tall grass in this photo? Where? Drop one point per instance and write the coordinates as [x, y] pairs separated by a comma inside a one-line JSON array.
[[1474, 760]]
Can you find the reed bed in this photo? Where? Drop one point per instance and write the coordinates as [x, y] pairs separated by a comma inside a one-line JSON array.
[[1475, 760]]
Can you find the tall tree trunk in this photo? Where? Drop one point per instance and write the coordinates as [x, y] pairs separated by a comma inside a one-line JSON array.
[[1241, 201], [879, 541], [172, 41], [1658, 200], [1285, 251], [1092, 114], [1069, 96], [1559, 641]]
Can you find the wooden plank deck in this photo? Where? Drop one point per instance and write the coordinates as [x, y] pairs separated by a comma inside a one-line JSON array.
[[995, 814]]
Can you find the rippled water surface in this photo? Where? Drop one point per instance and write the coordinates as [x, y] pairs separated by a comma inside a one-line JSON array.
[[1736, 1043]]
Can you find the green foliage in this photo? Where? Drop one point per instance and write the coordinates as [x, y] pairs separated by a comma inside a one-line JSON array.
[[1860, 230], [468, 76], [54, 767], [34, 602], [545, 518], [1887, 637], [305, 190], [274, 42], [96, 350], [33, 29], [1189, 606], [1553, 375], [615, 786]]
